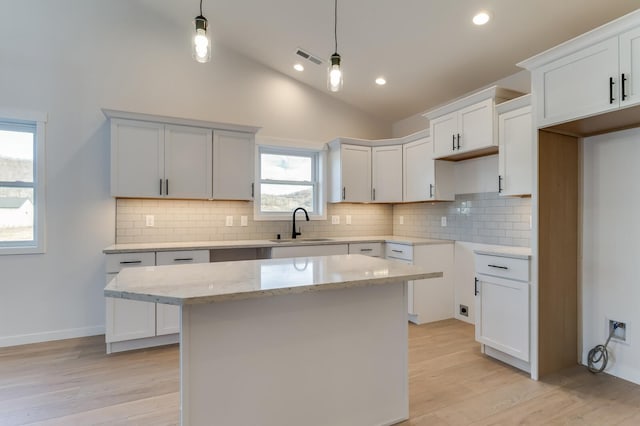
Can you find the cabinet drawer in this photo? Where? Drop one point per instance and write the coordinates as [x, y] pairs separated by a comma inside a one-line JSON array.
[[368, 249], [117, 261], [504, 267], [180, 257], [398, 251]]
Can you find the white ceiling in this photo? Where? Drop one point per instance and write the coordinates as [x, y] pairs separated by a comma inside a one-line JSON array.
[[428, 50]]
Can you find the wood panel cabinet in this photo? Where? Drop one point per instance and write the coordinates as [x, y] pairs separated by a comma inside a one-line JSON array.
[[515, 136], [426, 179]]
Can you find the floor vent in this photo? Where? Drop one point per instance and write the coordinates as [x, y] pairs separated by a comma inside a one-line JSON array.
[[308, 56]]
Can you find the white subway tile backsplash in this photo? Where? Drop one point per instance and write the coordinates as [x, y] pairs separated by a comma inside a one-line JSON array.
[[481, 218]]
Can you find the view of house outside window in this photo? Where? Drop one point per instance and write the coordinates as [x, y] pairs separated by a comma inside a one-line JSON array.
[[17, 183], [287, 181]]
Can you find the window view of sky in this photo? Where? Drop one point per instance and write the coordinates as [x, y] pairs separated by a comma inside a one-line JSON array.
[[285, 167], [16, 145]]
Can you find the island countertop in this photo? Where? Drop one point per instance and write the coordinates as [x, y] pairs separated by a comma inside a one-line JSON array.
[[223, 281]]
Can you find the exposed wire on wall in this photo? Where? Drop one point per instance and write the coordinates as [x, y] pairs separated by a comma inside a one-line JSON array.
[[599, 354]]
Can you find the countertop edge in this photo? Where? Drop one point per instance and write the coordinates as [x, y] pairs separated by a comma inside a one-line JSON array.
[[119, 294]]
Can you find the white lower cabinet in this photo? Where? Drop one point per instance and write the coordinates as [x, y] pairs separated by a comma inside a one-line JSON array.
[[131, 324], [502, 307], [429, 299], [367, 249]]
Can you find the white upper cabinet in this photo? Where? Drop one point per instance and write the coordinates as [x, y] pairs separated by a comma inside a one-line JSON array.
[[137, 158], [426, 179], [164, 157], [187, 162], [466, 128], [353, 173], [515, 135], [594, 73], [387, 174], [233, 165]]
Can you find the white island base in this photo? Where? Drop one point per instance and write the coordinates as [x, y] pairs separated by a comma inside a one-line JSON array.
[[334, 357]]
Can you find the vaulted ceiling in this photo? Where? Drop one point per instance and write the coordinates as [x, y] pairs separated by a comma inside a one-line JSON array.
[[428, 50]]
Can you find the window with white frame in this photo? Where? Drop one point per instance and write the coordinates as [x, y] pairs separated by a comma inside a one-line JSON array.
[[289, 178], [21, 185]]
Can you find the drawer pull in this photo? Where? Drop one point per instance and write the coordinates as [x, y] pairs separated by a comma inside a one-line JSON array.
[[130, 262], [366, 249], [183, 259], [397, 251], [498, 266]]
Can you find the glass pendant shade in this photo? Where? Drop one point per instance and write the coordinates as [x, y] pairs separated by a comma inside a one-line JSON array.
[[201, 40], [334, 74]]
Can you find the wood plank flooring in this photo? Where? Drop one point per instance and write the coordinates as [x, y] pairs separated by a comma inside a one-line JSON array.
[[73, 382]]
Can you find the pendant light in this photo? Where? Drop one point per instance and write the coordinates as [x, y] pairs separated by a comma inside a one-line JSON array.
[[334, 75], [201, 39]]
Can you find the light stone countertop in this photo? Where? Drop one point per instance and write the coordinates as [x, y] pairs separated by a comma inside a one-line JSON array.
[[506, 251], [206, 245], [223, 281]]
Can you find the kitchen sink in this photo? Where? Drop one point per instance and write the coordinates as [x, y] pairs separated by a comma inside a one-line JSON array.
[[301, 240]]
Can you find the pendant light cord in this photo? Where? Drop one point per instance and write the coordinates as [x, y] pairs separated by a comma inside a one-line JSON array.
[[335, 24], [201, 7]]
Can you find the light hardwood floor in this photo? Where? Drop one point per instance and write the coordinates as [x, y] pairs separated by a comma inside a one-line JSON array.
[[73, 382]]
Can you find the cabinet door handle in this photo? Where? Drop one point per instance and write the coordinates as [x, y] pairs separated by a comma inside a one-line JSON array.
[[366, 249], [374, 194], [252, 190], [183, 259], [611, 83], [475, 287], [458, 147], [344, 193], [430, 190], [160, 186], [499, 184], [498, 266], [166, 187], [397, 251], [624, 80], [130, 262], [453, 142]]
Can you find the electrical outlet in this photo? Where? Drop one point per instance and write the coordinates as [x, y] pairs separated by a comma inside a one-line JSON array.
[[348, 219], [229, 221], [243, 221], [335, 220], [443, 221], [149, 220], [464, 310], [401, 220]]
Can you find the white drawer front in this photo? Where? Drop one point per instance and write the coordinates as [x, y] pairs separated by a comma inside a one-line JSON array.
[[504, 267], [180, 257], [368, 249], [118, 261], [398, 251]]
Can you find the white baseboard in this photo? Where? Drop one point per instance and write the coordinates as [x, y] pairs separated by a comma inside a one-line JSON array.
[[47, 336]]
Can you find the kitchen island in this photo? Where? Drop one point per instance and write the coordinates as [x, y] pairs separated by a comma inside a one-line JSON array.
[[315, 341]]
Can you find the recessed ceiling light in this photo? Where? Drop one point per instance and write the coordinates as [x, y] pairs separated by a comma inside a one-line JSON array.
[[380, 81], [298, 67], [481, 18]]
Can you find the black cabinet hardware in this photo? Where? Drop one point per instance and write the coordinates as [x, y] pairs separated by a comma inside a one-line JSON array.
[[166, 186], [624, 80], [430, 190], [458, 147], [130, 262], [344, 193], [611, 83], [183, 259], [475, 287], [499, 184], [160, 186], [453, 142], [498, 266]]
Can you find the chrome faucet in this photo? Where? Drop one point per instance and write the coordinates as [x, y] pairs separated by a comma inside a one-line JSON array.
[[295, 233]]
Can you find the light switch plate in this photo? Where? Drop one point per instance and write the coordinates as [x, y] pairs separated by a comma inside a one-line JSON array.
[[229, 221], [243, 221], [149, 220], [401, 220], [443, 221], [348, 219], [335, 220]]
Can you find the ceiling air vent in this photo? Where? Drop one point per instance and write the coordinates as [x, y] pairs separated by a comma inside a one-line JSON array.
[[308, 56]]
